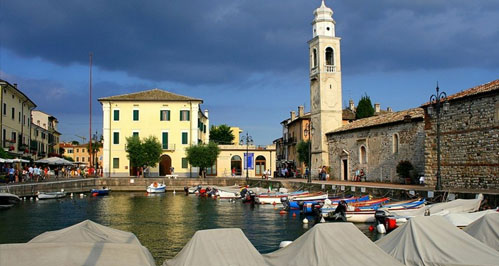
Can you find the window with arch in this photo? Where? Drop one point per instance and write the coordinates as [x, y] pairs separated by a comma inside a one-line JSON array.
[[363, 154], [314, 58], [395, 143], [329, 56], [260, 165], [236, 165]]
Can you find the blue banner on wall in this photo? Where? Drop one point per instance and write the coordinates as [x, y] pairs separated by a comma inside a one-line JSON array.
[[249, 160]]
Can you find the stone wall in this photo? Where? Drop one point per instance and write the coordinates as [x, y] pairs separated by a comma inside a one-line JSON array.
[[469, 142], [381, 160]]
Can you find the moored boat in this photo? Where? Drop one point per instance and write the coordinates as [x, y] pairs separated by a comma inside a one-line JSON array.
[[156, 188], [8, 200], [51, 195], [275, 198], [100, 191], [227, 195]]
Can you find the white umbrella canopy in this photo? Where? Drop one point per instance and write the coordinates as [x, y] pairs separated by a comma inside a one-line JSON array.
[[55, 161]]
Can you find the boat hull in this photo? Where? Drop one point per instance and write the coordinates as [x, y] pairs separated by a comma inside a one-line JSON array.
[[51, 195], [99, 192]]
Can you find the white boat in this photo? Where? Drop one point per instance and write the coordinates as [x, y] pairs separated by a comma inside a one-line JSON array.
[[8, 200], [156, 188], [51, 195], [227, 195]]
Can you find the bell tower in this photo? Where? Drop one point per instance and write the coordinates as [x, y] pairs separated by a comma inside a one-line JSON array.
[[325, 84]]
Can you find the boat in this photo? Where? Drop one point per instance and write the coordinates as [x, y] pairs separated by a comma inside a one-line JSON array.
[[275, 198], [227, 195], [156, 188], [51, 195], [8, 200], [329, 204], [100, 191]]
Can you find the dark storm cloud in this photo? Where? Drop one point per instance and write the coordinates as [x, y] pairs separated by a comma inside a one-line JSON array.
[[224, 41]]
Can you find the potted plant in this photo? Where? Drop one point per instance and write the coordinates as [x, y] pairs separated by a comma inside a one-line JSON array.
[[404, 169]]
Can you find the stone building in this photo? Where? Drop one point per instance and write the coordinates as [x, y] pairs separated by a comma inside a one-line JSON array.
[[376, 145], [469, 136]]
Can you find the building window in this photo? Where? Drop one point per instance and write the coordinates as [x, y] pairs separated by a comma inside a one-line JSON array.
[[329, 56], [135, 134], [77, 159], [395, 143], [135, 115], [363, 154], [314, 58], [204, 128], [19, 117], [13, 112], [116, 163], [184, 163], [77, 150], [116, 137], [82, 159], [184, 115], [82, 150], [164, 115], [164, 140], [116, 115], [184, 138], [13, 135], [4, 109], [24, 119]]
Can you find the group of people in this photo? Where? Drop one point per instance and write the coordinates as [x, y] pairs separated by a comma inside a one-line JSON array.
[[19, 173], [360, 175]]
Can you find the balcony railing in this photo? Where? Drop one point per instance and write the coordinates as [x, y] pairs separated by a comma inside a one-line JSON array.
[[314, 71], [330, 68]]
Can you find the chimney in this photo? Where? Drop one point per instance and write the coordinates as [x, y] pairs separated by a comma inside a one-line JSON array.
[[206, 112], [376, 108], [293, 115], [300, 111], [351, 105], [15, 85], [389, 109]]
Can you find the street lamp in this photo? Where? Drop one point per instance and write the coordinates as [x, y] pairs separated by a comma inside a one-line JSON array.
[[308, 132], [94, 151], [249, 141], [438, 101]]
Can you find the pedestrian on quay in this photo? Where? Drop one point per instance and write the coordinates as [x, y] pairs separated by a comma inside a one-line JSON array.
[[233, 171], [12, 172]]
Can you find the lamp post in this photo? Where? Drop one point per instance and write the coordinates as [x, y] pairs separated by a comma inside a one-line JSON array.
[[308, 132], [436, 101], [94, 146], [248, 140]]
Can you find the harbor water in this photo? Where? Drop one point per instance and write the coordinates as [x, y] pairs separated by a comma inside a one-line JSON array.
[[164, 223]]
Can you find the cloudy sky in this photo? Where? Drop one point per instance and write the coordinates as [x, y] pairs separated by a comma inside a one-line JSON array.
[[248, 59]]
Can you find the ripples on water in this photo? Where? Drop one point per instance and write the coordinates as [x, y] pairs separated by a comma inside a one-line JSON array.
[[163, 223]]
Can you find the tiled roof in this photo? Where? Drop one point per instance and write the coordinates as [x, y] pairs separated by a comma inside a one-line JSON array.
[[491, 86], [150, 95], [386, 118], [348, 114]]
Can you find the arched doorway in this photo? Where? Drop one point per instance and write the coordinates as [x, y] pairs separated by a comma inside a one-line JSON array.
[[165, 163], [260, 165], [236, 162]]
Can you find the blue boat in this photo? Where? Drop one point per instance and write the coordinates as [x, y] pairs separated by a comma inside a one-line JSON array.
[[100, 191]]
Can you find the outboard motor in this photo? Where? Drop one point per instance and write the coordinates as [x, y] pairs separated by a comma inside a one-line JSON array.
[[251, 196], [285, 202], [385, 223]]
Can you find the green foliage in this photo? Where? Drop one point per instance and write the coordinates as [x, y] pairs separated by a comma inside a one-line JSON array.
[[68, 158], [153, 150], [303, 152], [5, 155], [404, 169], [95, 146], [74, 142], [364, 108], [143, 152], [221, 134], [203, 155]]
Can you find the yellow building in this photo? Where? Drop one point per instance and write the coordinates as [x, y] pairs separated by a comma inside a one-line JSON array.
[[15, 120], [39, 142], [236, 132], [79, 153], [234, 157], [175, 120], [49, 124]]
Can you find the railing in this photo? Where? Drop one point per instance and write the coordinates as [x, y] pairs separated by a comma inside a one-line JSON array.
[[169, 147], [330, 68], [314, 71]]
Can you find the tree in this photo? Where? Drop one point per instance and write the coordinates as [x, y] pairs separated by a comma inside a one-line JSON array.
[[364, 108], [203, 155], [303, 152], [404, 169], [74, 142], [5, 155], [153, 150], [221, 134], [143, 152]]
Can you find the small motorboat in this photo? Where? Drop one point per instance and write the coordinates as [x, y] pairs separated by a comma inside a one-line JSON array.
[[100, 191], [51, 195], [227, 194], [156, 188], [8, 200]]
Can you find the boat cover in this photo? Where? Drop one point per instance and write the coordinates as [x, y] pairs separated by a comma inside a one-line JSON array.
[[431, 240], [465, 219], [455, 206], [486, 229], [86, 243], [331, 244], [218, 247], [87, 231]]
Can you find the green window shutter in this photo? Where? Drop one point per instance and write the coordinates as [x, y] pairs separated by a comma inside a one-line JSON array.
[[184, 137], [135, 134], [116, 115], [161, 115], [184, 163], [181, 116], [165, 140], [167, 115], [135, 115], [188, 115], [204, 128], [116, 138], [116, 162]]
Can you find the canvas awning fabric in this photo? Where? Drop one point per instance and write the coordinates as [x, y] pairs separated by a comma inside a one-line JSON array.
[[455, 206], [55, 161], [465, 219], [432, 241], [331, 244], [86, 243], [486, 230], [218, 247]]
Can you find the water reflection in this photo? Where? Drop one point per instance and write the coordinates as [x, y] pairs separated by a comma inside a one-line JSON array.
[[163, 223]]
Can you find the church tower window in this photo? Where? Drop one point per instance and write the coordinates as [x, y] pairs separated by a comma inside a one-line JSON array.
[[329, 56], [314, 58], [363, 155]]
